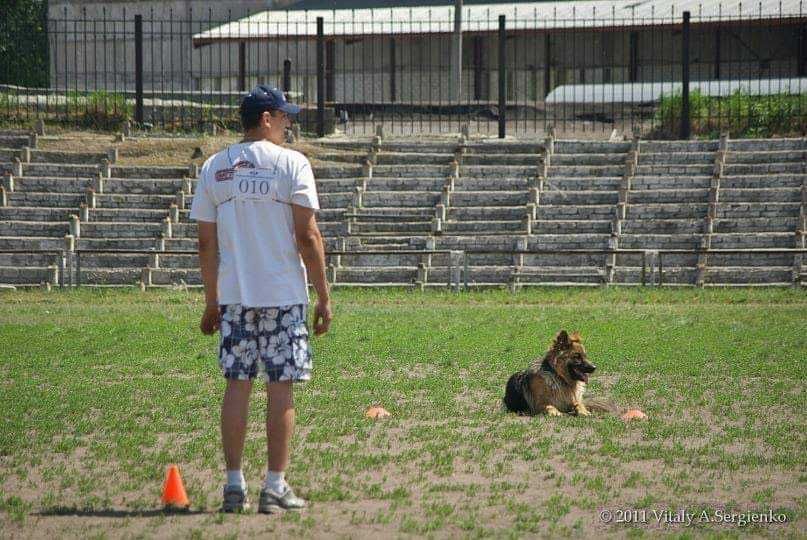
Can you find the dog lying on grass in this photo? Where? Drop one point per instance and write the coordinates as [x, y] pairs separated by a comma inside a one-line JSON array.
[[555, 385]]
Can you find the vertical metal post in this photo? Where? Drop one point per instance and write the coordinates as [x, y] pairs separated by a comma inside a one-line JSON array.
[[392, 68], [502, 76], [685, 121], [801, 68], [660, 269], [456, 54], [69, 267], [717, 53], [153, 41], [242, 66], [62, 260], [320, 77], [644, 267], [465, 269], [633, 53], [287, 75], [84, 51], [330, 70], [139, 69], [477, 41], [547, 64], [78, 268]]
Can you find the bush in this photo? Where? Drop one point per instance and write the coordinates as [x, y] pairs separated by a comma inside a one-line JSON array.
[[99, 109], [741, 114], [24, 43]]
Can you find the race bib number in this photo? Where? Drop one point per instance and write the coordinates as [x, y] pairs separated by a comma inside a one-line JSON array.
[[258, 185]]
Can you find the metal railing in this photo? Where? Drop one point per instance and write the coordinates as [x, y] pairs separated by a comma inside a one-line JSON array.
[[75, 256], [515, 71], [453, 261], [62, 260], [652, 260]]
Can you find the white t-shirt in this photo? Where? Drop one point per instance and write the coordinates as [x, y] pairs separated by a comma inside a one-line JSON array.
[[247, 190]]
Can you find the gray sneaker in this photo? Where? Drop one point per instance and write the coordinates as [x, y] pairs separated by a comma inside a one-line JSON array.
[[271, 502], [235, 499]]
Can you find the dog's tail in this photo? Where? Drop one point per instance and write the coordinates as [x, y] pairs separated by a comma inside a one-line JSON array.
[[602, 406]]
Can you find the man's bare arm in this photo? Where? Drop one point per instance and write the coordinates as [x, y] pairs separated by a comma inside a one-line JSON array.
[[209, 265], [310, 246]]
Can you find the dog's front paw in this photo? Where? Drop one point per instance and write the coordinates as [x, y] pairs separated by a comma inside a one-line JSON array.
[[552, 411], [582, 411]]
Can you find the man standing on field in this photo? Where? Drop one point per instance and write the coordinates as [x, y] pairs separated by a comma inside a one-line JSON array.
[[258, 234]]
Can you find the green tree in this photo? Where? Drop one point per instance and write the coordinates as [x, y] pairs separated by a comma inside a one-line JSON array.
[[24, 43]]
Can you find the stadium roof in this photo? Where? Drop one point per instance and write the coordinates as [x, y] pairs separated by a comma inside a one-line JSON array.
[[649, 92], [484, 18]]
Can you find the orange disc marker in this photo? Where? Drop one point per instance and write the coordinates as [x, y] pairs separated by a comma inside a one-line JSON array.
[[376, 411], [633, 414]]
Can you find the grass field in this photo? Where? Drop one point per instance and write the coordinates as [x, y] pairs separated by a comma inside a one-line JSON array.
[[101, 390]]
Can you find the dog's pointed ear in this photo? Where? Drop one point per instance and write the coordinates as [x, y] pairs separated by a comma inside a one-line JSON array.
[[575, 337], [561, 340]]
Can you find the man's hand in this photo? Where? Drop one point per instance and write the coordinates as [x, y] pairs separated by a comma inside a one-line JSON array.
[[322, 317], [210, 320]]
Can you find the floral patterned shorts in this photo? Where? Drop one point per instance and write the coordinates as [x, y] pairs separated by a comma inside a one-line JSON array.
[[272, 340]]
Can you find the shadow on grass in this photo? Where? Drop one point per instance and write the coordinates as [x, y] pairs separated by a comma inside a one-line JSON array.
[[113, 513]]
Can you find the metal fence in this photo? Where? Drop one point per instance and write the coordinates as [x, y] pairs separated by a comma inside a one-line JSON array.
[[67, 269], [581, 71]]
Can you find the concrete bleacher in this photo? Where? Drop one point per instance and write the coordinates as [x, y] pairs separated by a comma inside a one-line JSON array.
[[526, 205], [666, 202], [761, 205]]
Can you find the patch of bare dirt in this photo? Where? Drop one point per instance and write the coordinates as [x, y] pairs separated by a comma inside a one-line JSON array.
[[157, 150]]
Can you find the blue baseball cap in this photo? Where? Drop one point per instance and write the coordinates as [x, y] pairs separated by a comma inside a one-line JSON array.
[[263, 98]]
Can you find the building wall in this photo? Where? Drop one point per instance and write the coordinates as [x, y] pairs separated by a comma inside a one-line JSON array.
[[222, 10], [362, 68], [101, 56], [95, 40]]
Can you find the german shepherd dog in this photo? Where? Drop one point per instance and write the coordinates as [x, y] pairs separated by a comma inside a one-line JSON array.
[[555, 384]]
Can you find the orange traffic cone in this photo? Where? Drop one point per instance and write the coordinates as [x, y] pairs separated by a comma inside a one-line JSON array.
[[174, 496]]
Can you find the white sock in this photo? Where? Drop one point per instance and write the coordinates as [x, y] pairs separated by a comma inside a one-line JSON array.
[[236, 478], [275, 481]]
